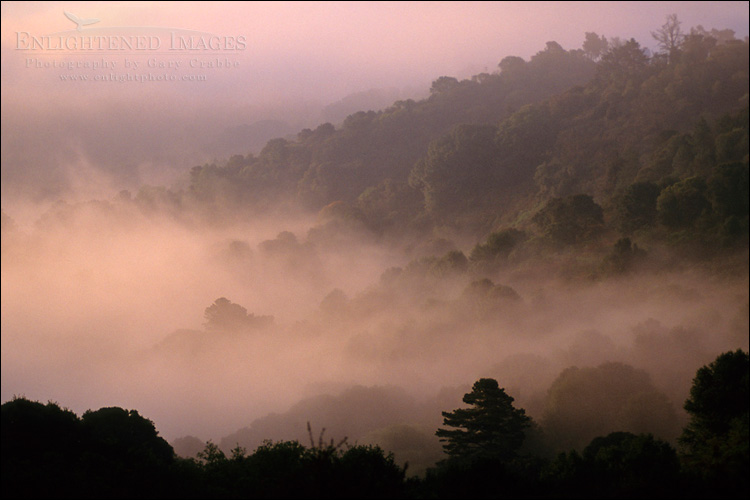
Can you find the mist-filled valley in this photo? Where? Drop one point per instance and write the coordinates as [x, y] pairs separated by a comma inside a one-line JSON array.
[[573, 226], [109, 306]]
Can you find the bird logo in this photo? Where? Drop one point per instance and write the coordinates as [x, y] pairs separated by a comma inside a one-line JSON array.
[[79, 22]]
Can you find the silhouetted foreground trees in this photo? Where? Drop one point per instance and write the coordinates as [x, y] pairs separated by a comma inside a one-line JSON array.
[[492, 429], [716, 438], [48, 451]]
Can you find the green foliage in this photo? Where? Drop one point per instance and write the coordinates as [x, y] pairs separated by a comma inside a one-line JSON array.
[[458, 169], [390, 206], [732, 145], [728, 188], [680, 205], [325, 182], [636, 208], [595, 46], [525, 140], [623, 63], [490, 429], [566, 67], [728, 191], [498, 246], [570, 220]]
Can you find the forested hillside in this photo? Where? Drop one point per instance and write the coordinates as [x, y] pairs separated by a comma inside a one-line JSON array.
[[486, 152]]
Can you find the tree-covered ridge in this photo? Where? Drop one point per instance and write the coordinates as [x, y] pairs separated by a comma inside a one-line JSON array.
[[609, 121], [328, 164], [114, 453]]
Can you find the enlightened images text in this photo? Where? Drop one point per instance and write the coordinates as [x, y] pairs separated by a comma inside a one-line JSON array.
[[27, 41]]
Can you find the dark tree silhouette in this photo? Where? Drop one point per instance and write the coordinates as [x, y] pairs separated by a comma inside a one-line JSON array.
[[618, 465], [716, 438], [636, 208], [443, 84], [492, 429], [224, 315], [41, 445], [669, 36]]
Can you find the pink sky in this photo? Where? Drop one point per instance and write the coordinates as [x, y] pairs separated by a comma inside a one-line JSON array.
[[325, 50]]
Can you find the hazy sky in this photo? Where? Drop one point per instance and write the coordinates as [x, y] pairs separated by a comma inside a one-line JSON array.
[[324, 50], [298, 57]]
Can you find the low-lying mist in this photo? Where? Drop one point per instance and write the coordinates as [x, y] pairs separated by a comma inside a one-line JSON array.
[[209, 330]]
